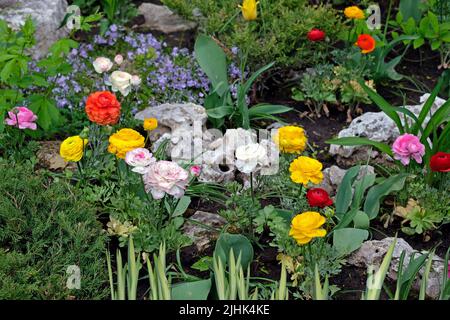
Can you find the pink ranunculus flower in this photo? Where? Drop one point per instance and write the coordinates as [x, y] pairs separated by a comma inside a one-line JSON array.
[[22, 117], [408, 146], [165, 177], [196, 170], [139, 159]]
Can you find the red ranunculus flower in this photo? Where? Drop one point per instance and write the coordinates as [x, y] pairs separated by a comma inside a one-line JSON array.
[[440, 162], [366, 43], [318, 197], [103, 108], [316, 35]]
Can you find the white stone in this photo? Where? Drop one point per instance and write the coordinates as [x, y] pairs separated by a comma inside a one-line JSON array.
[[162, 19], [47, 15], [376, 126], [373, 252]]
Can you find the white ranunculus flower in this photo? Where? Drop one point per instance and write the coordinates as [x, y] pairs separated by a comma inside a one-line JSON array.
[[249, 156], [121, 81], [118, 59], [135, 80], [102, 64]]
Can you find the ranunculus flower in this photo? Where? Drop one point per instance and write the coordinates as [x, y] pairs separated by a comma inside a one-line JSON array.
[[316, 35], [408, 146], [118, 59], [366, 43], [72, 148], [249, 156], [306, 226], [139, 159], [120, 81], [249, 9], [305, 169], [103, 108], [102, 64], [440, 162], [354, 12], [150, 124], [165, 177], [196, 170], [135, 80], [291, 139], [125, 140], [21, 117], [318, 197]]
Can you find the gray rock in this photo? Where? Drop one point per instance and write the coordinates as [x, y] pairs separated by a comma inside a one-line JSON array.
[[183, 124], [332, 177], [372, 253], [190, 142], [376, 126], [47, 15], [202, 236], [161, 21]]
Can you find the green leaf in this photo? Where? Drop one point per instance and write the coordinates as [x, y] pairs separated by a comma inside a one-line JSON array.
[[418, 43], [7, 70], [389, 110], [357, 141], [410, 9], [220, 112], [212, 60], [267, 109], [361, 220], [344, 192], [376, 193], [427, 107], [239, 244], [46, 111], [436, 120], [347, 240], [182, 206], [196, 290]]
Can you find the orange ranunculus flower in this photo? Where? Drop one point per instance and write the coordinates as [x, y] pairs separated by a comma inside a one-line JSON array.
[[103, 108], [366, 43]]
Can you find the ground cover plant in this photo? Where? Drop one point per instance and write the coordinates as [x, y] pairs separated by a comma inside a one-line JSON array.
[[132, 169]]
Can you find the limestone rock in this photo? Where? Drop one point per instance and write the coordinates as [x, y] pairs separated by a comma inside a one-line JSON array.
[[48, 156], [183, 124], [332, 177], [190, 142], [201, 235], [372, 253], [376, 126], [47, 15], [160, 20]]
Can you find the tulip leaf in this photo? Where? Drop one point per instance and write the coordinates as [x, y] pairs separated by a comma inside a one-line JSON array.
[[195, 290], [182, 206], [240, 246], [361, 220], [347, 240], [376, 193], [359, 141], [344, 192], [212, 60]]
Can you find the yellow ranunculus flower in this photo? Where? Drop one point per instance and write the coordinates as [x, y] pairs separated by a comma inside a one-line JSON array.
[[291, 139], [72, 148], [306, 226], [305, 169], [249, 10], [354, 12], [150, 124], [125, 140]]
